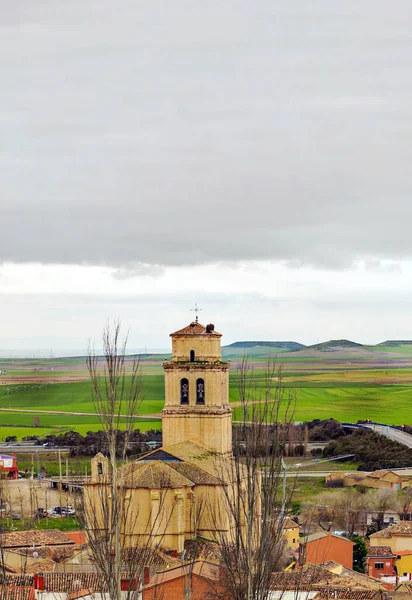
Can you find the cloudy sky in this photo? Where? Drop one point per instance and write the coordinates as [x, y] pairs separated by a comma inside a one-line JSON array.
[[251, 156]]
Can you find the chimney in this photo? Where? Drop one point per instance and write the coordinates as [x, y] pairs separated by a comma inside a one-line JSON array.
[[146, 576]]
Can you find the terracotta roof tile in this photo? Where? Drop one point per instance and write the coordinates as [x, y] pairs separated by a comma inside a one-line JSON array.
[[195, 328], [402, 528], [17, 592], [41, 566], [152, 474], [200, 568], [312, 577], [289, 523], [197, 475], [212, 463], [79, 594], [374, 551], [20, 580], [71, 582], [25, 539]]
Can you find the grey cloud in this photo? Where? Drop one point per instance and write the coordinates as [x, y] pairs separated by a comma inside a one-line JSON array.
[[187, 132], [138, 270]]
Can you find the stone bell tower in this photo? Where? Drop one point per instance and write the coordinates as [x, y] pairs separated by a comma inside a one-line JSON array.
[[197, 391]]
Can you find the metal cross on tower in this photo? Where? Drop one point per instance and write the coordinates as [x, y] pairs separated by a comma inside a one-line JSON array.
[[196, 310]]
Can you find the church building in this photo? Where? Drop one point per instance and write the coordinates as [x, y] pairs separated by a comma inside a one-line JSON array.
[[181, 490]]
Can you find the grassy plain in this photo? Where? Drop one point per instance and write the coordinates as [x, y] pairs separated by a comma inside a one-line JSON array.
[[347, 385]]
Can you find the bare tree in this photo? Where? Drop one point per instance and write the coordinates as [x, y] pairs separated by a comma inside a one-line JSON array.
[[381, 501], [252, 548], [116, 397], [405, 504], [340, 508]]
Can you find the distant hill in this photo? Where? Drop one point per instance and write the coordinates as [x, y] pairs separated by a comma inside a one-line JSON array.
[[394, 343], [288, 346], [334, 345]]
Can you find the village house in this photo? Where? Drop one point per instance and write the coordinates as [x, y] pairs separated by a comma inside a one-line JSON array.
[[397, 537], [34, 539], [8, 467], [380, 562], [327, 584], [291, 533], [322, 547], [199, 581], [403, 563], [377, 479]]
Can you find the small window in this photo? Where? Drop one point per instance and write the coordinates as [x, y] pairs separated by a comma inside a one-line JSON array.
[[100, 468], [184, 391], [192, 356], [200, 391], [379, 565]]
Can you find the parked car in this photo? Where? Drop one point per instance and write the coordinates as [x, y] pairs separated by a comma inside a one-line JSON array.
[[40, 513], [62, 511]]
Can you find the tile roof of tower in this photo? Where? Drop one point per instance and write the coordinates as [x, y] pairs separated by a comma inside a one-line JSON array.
[[195, 328]]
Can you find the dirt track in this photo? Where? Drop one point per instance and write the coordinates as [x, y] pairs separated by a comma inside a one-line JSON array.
[[64, 412], [58, 378]]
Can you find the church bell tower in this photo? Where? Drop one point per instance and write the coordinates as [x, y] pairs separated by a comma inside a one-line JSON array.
[[197, 391]]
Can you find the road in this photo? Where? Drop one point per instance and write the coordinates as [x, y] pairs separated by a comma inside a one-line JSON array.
[[393, 434], [407, 472]]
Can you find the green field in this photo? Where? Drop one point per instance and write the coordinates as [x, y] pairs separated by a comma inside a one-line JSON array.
[[372, 383]]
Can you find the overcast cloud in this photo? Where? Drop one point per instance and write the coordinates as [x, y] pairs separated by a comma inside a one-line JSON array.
[[151, 139], [186, 132]]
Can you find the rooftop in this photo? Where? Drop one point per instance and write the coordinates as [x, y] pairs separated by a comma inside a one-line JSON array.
[[27, 539], [200, 568], [322, 534], [209, 462], [289, 523], [401, 528], [196, 328], [378, 551], [17, 592], [319, 578], [152, 474]]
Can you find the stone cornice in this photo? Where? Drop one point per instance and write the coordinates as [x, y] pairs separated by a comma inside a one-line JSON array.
[[196, 366], [195, 411]]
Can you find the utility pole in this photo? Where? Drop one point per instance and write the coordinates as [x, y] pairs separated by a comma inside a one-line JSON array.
[[285, 469]]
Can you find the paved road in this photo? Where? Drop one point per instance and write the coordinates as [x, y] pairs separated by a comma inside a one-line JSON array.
[[326, 473], [5, 449], [393, 434]]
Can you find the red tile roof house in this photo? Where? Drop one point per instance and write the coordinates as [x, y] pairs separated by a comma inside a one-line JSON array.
[[327, 584], [16, 587], [321, 547], [17, 592], [380, 562], [201, 581], [36, 538], [8, 467]]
